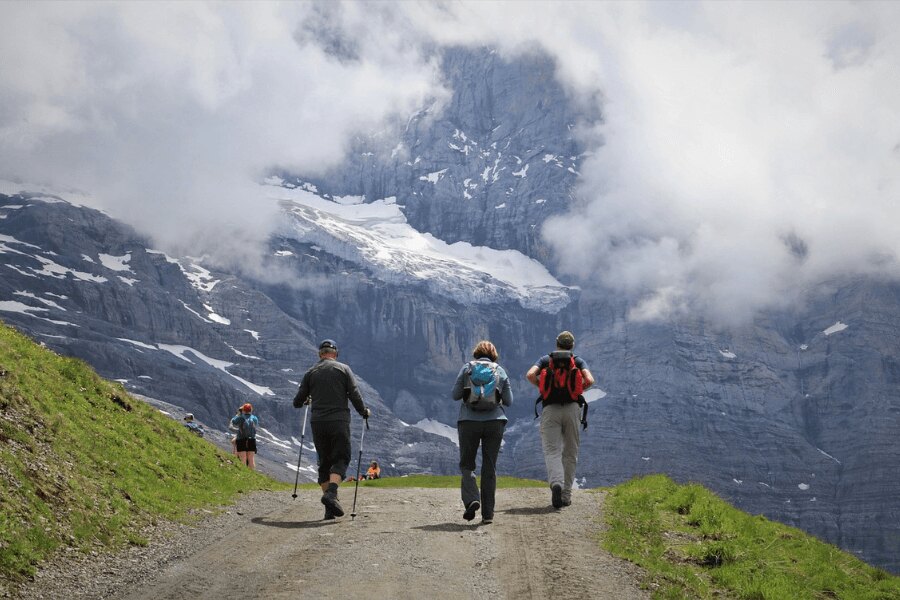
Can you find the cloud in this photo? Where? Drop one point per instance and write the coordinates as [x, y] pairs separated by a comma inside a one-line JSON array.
[[169, 114], [746, 150], [749, 152]]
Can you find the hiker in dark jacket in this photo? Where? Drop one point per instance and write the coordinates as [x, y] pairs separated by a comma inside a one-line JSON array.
[[481, 425], [561, 422], [329, 386]]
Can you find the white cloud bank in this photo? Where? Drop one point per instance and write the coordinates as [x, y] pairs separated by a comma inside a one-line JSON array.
[[169, 113], [747, 149]]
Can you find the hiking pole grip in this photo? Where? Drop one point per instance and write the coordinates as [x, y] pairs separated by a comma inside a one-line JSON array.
[[299, 456]]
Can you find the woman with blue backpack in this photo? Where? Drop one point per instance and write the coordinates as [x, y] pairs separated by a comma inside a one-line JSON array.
[[483, 387], [245, 443]]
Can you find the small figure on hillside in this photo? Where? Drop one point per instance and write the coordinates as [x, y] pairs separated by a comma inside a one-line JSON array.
[[483, 386], [245, 443], [192, 426], [561, 378], [334, 387], [374, 471]]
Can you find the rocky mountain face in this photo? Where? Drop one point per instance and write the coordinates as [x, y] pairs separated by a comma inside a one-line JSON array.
[[88, 286], [795, 416], [488, 167]]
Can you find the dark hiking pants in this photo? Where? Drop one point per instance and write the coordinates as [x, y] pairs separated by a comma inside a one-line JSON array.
[[332, 441], [489, 435]]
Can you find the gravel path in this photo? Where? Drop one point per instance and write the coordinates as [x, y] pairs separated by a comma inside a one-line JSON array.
[[404, 543]]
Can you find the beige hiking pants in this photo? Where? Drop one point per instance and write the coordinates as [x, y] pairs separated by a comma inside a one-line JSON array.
[[560, 436]]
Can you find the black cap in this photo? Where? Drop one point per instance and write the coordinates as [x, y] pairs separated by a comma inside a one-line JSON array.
[[328, 345]]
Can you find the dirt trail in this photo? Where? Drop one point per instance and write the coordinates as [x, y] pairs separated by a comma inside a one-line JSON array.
[[404, 543]]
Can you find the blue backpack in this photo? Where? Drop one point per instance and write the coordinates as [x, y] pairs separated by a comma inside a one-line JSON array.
[[246, 427], [482, 386]]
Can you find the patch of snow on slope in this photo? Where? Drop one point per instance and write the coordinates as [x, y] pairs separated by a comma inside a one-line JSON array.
[[214, 317], [438, 428], [22, 309], [221, 365], [50, 268], [835, 328], [593, 394], [116, 263], [202, 318], [139, 344], [49, 303], [199, 277], [377, 236], [433, 177]]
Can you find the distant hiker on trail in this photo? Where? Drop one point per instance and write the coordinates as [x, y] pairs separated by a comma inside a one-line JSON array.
[[561, 378], [192, 426], [483, 386], [374, 471], [328, 386], [246, 423]]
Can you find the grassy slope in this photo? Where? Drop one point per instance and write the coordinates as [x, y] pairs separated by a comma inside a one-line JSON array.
[[695, 545], [83, 464]]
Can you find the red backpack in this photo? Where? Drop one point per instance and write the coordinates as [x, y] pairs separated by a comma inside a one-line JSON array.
[[561, 382]]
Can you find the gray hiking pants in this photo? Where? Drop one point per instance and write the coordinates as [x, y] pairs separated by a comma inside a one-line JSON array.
[[560, 436]]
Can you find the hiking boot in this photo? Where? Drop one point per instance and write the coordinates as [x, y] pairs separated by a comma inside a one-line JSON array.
[[471, 509], [329, 499], [329, 515], [487, 520], [556, 490]]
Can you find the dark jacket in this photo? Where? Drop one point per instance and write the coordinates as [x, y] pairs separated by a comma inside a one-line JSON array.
[[330, 384]]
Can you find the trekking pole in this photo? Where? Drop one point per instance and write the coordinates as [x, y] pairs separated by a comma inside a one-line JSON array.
[[302, 435], [358, 465]]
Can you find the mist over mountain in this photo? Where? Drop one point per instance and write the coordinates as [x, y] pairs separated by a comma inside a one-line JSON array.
[[719, 234]]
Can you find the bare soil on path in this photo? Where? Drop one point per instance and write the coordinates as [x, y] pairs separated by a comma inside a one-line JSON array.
[[403, 544]]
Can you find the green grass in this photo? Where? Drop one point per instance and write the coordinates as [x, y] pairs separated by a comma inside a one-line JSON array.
[[693, 544], [84, 465], [434, 481]]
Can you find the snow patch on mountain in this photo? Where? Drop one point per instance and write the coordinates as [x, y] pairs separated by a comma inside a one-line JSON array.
[[835, 328], [221, 365], [23, 309], [215, 317], [116, 263], [377, 236], [49, 268], [438, 428], [593, 394], [49, 303]]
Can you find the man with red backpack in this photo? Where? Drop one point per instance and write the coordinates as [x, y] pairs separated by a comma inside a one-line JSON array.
[[561, 378]]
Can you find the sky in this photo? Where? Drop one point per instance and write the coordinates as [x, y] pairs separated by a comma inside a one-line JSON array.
[[747, 150]]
